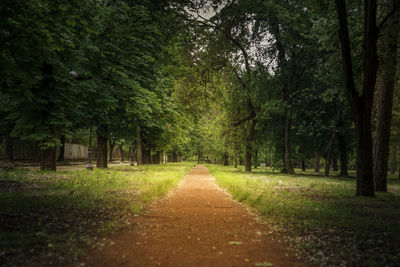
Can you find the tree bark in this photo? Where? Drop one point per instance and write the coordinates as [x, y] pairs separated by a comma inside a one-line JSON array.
[[385, 103], [62, 148], [249, 143], [361, 106], [303, 165], [48, 159], [288, 125], [139, 158], [317, 166], [101, 151]]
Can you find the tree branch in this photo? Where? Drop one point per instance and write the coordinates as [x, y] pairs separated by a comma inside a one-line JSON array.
[[388, 15], [250, 117]]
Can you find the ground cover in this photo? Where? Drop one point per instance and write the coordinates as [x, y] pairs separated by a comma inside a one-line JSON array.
[[52, 217], [320, 216]]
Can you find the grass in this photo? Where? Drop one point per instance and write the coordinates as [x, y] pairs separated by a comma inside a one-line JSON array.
[[52, 217], [320, 216]]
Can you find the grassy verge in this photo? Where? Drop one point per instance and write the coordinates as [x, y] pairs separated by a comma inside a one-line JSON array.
[[51, 217], [320, 216]]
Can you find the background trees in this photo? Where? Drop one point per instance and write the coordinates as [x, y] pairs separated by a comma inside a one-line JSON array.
[[234, 82]]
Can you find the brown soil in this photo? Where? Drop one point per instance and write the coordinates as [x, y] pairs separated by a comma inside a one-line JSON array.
[[197, 225]]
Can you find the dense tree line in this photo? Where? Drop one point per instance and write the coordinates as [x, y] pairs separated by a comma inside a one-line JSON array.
[[227, 81]]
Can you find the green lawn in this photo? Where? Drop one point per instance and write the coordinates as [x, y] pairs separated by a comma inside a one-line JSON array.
[[54, 216], [320, 216]]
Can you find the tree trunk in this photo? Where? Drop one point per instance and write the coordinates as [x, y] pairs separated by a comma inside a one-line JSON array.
[[121, 152], [288, 125], [130, 154], [174, 157], [133, 155], [102, 136], [303, 165], [334, 162], [139, 158], [343, 155], [226, 162], [255, 158], [62, 148], [160, 157], [235, 159], [329, 153], [361, 106], [48, 159], [365, 181], [248, 158], [112, 145], [338, 122], [146, 156], [198, 157], [317, 166], [385, 103], [249, 143], [9, 148]]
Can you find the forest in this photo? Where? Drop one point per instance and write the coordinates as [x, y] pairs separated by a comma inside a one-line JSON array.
[[309, 90]]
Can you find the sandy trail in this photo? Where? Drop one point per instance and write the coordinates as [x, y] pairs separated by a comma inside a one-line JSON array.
[[197, 225]]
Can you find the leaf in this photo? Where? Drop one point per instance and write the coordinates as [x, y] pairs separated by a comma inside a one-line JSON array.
[[265, 263], [235, 243]]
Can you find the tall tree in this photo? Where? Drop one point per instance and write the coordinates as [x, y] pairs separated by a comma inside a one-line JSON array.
[[385, 100], [361, 105]]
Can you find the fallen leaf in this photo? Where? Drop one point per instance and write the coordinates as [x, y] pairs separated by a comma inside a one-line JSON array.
[[263, 264], [235, 243]]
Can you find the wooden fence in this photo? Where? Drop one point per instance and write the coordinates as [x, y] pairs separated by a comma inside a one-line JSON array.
[[75, 151]]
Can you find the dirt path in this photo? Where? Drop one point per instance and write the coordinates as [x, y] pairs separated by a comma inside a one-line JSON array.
[[197, 225]]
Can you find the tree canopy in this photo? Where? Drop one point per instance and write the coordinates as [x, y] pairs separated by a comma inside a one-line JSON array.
[[233, 82]]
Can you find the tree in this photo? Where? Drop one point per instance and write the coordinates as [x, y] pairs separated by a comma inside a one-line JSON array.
[[385, 101], [361, 104]]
